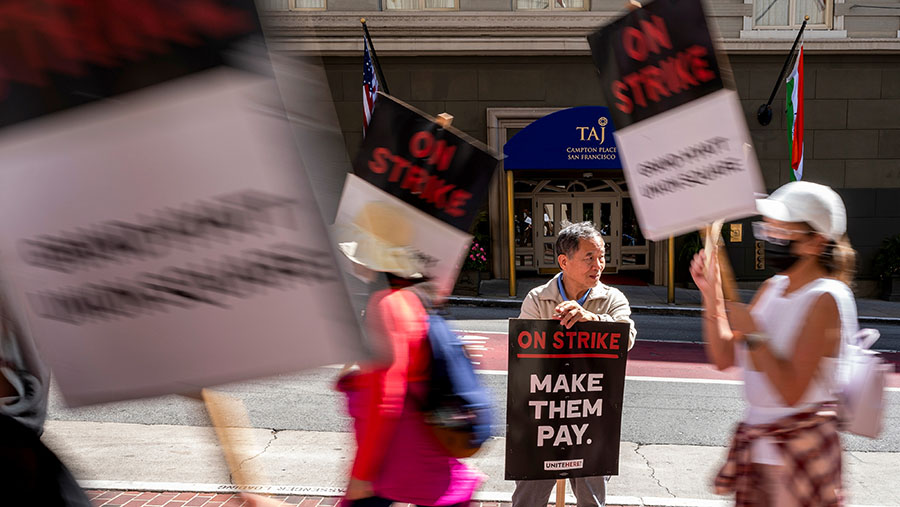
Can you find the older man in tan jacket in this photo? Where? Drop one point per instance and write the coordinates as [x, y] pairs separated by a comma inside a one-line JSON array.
[[574, 295]]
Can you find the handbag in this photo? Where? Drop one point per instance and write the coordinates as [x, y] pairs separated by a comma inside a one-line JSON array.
[[862, 379]]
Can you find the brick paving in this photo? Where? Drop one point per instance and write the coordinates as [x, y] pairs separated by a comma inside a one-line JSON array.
[[107, 498]]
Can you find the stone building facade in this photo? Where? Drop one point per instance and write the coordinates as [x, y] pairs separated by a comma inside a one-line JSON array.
[[498, 65]]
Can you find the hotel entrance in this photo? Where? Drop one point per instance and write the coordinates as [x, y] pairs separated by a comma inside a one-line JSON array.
[[559, 169], [542, 213], [555, 213]]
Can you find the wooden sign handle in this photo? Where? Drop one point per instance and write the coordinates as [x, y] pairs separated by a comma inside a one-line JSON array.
[[713, 238], [444, 120], [560, 493], [230, 420]]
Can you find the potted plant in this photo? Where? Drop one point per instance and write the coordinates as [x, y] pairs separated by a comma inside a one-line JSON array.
[[886, 266], [474, 269]]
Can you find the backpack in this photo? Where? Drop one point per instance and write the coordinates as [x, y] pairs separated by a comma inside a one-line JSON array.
[[457, 407], [862, 378]]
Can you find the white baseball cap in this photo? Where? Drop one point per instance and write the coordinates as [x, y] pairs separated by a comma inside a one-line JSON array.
[[803, 201]]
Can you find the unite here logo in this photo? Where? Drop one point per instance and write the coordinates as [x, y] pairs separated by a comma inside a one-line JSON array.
[[572, 464]]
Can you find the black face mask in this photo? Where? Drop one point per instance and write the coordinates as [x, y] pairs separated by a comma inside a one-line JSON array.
[[780, 257]]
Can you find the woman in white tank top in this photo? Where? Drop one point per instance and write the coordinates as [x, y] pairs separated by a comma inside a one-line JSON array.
[[786, 451]]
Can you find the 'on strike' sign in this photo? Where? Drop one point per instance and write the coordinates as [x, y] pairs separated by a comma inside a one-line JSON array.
[[564, 399], [681, 134]]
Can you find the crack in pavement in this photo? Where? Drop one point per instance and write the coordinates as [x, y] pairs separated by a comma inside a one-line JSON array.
[[637, 450], [274, 437]]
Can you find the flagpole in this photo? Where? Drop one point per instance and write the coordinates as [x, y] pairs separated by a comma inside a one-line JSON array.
[[764, 113], [371, 44]]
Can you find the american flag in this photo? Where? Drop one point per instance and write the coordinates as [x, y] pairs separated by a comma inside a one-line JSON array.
[[370, 87]]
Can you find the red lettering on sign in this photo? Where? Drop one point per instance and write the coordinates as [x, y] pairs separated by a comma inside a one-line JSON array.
[[571, 335], [558, 340], [624, 103], [614, 341], [379, 162], [673, 75], [437, 194], [535, 340], [415, 179], [652, 37], [634, 43], [652, 77], [457, 201], [524, 339], [419, 181], [656, 34], [670, 72], [699, 64], [540, 339], [432, 187], [634, 81], [584, 339], [400, 164], [421, 144], [442, 155], [63, 36]]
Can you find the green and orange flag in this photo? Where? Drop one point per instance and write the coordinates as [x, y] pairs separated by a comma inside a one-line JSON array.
[[795, 117]]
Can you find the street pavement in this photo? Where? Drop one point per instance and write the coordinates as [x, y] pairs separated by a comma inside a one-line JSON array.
[[677, 418]]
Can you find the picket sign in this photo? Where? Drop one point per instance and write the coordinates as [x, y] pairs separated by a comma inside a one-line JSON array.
[[684, 143]]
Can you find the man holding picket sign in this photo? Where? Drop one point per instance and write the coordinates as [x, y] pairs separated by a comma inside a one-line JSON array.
[[575, 295]]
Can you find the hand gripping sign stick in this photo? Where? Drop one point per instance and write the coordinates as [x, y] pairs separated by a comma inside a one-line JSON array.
[[713, 239]]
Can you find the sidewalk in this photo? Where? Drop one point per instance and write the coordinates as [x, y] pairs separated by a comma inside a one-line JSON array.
[[137, 458], [652, 299]]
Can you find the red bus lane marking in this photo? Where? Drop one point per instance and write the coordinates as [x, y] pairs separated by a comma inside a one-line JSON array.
[[674, 360]]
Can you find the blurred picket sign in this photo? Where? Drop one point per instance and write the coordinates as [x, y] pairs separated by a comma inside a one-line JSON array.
[[158, 232]]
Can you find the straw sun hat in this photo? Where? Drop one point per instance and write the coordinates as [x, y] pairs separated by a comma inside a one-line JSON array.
[[379, 239]]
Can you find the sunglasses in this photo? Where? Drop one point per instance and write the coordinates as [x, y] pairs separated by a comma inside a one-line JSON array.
[[765, 231]]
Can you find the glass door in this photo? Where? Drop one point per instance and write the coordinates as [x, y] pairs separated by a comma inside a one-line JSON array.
[[551, 214], [606, 213]]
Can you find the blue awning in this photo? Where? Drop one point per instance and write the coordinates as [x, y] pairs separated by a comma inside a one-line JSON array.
[[578, 138]]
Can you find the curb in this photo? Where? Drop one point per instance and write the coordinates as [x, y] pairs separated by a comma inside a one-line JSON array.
[[684, 311], [481, 496]]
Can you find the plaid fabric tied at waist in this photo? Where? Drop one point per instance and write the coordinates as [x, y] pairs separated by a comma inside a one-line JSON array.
[[811, 448]]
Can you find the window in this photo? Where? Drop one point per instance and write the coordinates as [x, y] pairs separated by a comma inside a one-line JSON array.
[[790, 13], [318, 5], [566, 5], [283, 5], [420, 5], [274, 5]]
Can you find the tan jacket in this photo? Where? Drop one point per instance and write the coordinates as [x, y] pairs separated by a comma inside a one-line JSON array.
[[607, 302]]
